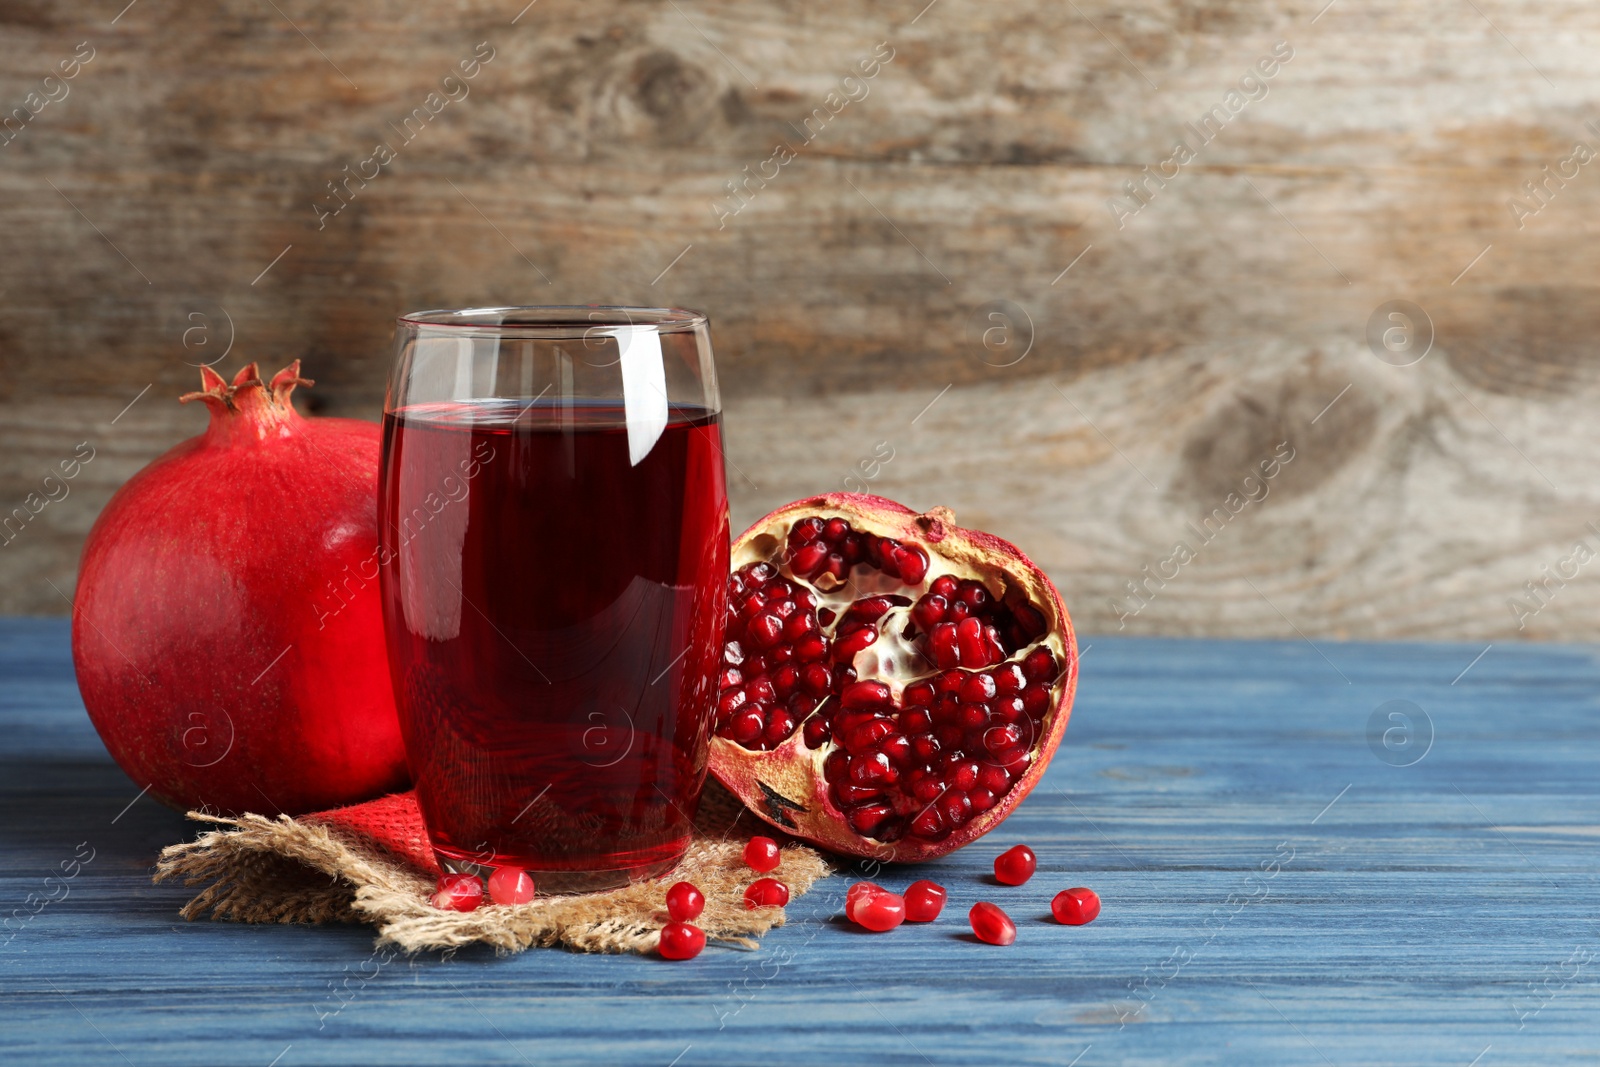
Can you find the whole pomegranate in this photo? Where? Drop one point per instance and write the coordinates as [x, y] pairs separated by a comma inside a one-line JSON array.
[[892, 685], [227, 633]]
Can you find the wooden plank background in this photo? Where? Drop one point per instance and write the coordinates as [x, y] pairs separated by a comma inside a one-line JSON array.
[[178, 176]]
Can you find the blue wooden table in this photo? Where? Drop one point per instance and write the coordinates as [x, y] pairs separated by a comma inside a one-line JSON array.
[[1337, 854]]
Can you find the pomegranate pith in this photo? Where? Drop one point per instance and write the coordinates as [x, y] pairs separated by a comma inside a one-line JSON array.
[[991, 924], [892, 684], [685, 902], [680, 941], [1075, 907]]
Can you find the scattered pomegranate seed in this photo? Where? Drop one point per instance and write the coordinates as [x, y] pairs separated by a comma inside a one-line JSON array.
[[1075, 907], [685, 902], [859, 892], [762, 854], [991, 924], [880, 911], [1015, 865], [511, 885], [680, 941], [766, 893], [924, 901], [458, 892]]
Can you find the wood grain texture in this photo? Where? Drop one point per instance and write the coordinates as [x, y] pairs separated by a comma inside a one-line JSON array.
[[1273, 893], [595, 147]]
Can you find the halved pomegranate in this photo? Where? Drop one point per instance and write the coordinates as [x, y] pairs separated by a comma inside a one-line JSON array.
[[892, 684]]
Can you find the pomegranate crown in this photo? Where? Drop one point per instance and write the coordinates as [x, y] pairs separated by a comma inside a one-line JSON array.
[[262, 407]]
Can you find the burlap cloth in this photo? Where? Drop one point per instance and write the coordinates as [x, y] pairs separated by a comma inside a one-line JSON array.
[[370, 863]]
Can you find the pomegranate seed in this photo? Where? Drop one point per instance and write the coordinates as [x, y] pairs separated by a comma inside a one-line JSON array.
[[991, 924], [745, 727], [752, 605], [855, 794], [1075, 907], [917, 720], [458, 892], [964, 775], [1001, 739], [978, 688], [836, 767], [1009, 680], [992, 645], [982, 800], [729, 678], [868, 820], [1015, 865], [969, 642], [811, 650], [1040, 666], [1035, 700], [785, 679], [762, 854], [929, 823], [972, 717], [680, 941], [761, 691], [765, 630], [685, 902], [730, 701], [806, 559], [949, 682], [762, 572], [924, 747], [779, 728], [881, 911], [919, 694], [897, 747], [928, 789], [808, 529], [1007, 709], [784, 608], [945, 585], [924, 901], [816, 732], [814, 677], [956, 808], [929, 611], [766, 893], [733, 654], [873, 769], [511, 885], [865, 695], [857, 893], [797, 626], [845, 648], [913, 564], [974, 595], [993, 778], [943, 646]]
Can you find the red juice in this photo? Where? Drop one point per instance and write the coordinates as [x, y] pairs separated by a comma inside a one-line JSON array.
[[554, 616]]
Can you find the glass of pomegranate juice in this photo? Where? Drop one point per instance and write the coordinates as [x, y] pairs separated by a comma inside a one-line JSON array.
[[554, 564]]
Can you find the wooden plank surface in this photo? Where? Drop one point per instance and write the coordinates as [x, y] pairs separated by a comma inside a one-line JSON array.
[[1274, 893], [180, 176]]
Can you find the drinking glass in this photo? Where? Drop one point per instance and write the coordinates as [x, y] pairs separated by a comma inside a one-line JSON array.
[[554, 557]]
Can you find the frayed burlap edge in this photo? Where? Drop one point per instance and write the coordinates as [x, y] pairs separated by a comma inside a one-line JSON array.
[[262, 870]]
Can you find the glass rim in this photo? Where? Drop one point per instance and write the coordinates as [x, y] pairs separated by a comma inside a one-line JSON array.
[[553, 321]]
